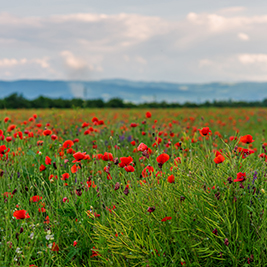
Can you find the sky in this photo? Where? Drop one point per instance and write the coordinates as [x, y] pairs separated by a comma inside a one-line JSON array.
[[142, 40]]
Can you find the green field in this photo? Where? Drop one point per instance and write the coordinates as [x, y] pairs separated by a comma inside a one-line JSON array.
[[78, 189]]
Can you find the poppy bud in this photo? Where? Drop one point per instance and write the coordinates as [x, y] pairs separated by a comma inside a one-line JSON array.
[[126, 191], [14, 191], [160, 165], [217, 195], [78, 192], [26, 188], [230, 180], [151, 209], [117, 186], [21, 230], [241, 185], [182, 198], [54, 165], [116, 161], [226, 242], [215, 231]]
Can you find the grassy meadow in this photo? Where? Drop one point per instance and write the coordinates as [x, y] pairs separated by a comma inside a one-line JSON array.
[[110, 187]]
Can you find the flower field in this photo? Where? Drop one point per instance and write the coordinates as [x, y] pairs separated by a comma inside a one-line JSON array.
[[107, 187]]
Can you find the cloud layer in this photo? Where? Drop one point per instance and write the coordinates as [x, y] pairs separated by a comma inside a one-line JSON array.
[[224, 45]]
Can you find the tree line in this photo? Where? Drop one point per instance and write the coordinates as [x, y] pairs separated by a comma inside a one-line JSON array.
[[15, 101]]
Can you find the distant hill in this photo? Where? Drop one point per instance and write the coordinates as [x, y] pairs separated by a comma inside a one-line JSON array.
[[135, 91]]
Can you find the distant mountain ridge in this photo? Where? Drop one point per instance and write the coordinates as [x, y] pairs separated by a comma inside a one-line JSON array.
[[136, 91]]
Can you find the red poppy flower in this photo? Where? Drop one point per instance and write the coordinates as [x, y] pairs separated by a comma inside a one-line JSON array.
[[42, 168], [247, 139], [78, 156], [21, 214], [6, 119], [133, 125], [163, 158], [9, 139], [68, 144], [94, 119], [53, 137], [94, 253], [11, 127], [6, 194], [107, 156], [42, 210], [148, 115], [133, 143], [55, 247], [240, 177], [74, 169], [35, 198], [177, 160], [65, 176], [166, 219], [125, 161], [48, 160], [47, 132], [47, 221], [129, 168], [147, 171], [142, 147], [219, 159], [75, 243], [205, 131], [171, 179]]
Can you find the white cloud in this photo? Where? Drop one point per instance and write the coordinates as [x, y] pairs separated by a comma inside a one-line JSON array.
[[141, 60], [243, 36], [253, 58], [5, 62], [194, 48], [74, 62]]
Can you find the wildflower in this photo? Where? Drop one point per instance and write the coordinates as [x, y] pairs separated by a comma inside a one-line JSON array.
[[21, 214], [125, 161], [35, 198], [166, 219], [55, 247], [65, 176], [48, 160], [147, 171], [42, 168], [171, 179], [142, 147], [107, 157], [247, 139], [219, 159], [47, 132], [240, 177], [151, 209], [129, 168], [161, 159], [205, 131], [117, 186], [148, 115], [68, 144], [94, 253], [126, 190]]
